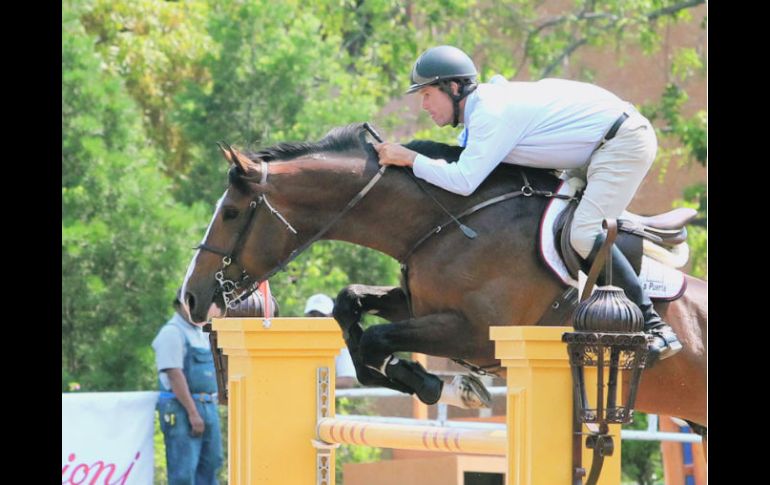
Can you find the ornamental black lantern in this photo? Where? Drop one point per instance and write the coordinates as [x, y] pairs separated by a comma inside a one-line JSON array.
[[608, 336]]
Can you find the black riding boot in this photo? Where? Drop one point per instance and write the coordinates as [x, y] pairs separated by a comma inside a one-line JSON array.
[[665, 343]]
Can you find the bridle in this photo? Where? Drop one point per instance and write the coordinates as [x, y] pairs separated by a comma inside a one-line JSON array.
[[228, 287]]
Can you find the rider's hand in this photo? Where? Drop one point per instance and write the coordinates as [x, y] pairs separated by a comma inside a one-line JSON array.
[[395, 154]]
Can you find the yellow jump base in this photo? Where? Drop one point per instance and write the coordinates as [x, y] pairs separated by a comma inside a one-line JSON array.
[[282, 426]]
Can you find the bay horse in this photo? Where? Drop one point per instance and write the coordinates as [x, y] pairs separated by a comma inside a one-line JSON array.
[[283, 198]]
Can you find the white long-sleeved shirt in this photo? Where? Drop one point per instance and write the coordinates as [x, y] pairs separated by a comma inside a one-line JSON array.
[[551, 123]]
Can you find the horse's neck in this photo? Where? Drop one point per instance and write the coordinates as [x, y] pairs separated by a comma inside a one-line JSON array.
[[389, 218], [392, 216]]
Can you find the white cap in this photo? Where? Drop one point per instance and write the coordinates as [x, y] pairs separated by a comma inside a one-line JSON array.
[[320, 303]]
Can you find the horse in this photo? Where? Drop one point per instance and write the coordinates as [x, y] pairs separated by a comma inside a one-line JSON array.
[[283, 198]]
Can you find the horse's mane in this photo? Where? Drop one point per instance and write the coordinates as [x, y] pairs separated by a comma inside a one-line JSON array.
[[352, 137], [346, 138], [341, 139]]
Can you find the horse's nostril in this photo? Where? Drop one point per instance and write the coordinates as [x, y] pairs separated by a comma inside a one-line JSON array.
[[190, 302]]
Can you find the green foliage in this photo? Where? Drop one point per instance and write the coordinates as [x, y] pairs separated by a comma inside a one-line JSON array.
[[691, 132], [156, 48], [277, 75], [122, 251], [641, 459], [327, 267], [695, 197]]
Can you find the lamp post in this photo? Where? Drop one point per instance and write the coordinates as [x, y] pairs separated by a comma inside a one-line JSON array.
[[609, 335]]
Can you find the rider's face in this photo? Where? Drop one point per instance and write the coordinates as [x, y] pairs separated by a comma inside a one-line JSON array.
[[437, 104]]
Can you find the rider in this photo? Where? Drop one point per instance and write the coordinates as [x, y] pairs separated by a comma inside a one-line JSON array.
[[552, 124]]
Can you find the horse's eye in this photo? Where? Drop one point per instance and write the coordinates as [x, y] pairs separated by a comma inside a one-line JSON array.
[[229, 213]]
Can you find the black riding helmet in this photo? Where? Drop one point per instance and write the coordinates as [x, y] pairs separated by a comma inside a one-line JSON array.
[[440, 66]]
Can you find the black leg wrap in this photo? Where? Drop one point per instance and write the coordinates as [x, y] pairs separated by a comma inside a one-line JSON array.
[[414, 376], [347, 311]]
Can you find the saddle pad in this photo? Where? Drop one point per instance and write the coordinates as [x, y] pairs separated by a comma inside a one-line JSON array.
[[660, 281]]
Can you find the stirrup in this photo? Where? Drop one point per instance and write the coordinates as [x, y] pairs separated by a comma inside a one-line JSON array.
[[665, 343]]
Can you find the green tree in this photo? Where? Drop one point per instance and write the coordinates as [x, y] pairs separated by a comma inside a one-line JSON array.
[[641, 459], [124, 238], [156, 48], [275, 76], [327, 267], [697, 236]]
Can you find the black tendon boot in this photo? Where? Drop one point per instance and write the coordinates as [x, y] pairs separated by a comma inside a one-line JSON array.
[[413, 375], [665, 343]]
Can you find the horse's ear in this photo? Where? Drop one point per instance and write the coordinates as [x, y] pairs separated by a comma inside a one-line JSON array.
[[251, 171], [226, 152], [234, 156], [243, 162]]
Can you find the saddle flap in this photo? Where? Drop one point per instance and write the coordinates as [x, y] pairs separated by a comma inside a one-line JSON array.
[[628, 241]]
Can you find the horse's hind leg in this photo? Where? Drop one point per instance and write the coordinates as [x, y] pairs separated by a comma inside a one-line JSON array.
[[388, 302]]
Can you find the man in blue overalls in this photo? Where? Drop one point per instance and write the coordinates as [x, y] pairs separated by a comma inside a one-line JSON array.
[[188, 401]]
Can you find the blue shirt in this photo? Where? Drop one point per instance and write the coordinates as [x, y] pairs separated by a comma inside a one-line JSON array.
[[170, 345], [551, 123]]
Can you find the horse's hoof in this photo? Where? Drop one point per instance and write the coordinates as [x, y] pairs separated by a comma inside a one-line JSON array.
[[472, 392]]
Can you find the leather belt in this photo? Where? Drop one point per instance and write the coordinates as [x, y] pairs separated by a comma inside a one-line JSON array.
[[614, 128]]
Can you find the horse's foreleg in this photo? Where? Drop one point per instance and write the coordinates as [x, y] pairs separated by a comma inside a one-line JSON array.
[[440, 334], [447, 335], [352, 303]]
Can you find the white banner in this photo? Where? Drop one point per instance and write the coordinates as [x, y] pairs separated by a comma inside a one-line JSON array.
[[106, 438]]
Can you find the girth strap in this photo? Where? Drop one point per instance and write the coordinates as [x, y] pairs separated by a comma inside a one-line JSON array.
[[559, 313]]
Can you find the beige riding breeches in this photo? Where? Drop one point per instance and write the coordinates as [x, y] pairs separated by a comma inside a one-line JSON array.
[[613, 175]]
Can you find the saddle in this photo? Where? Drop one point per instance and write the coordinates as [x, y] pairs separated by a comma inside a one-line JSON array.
[[655, 246], [667, 229]]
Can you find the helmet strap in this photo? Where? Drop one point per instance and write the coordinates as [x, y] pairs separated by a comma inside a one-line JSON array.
[[464, 90]]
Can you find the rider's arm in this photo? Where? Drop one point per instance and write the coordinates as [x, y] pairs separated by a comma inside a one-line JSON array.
[[490, 139]]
